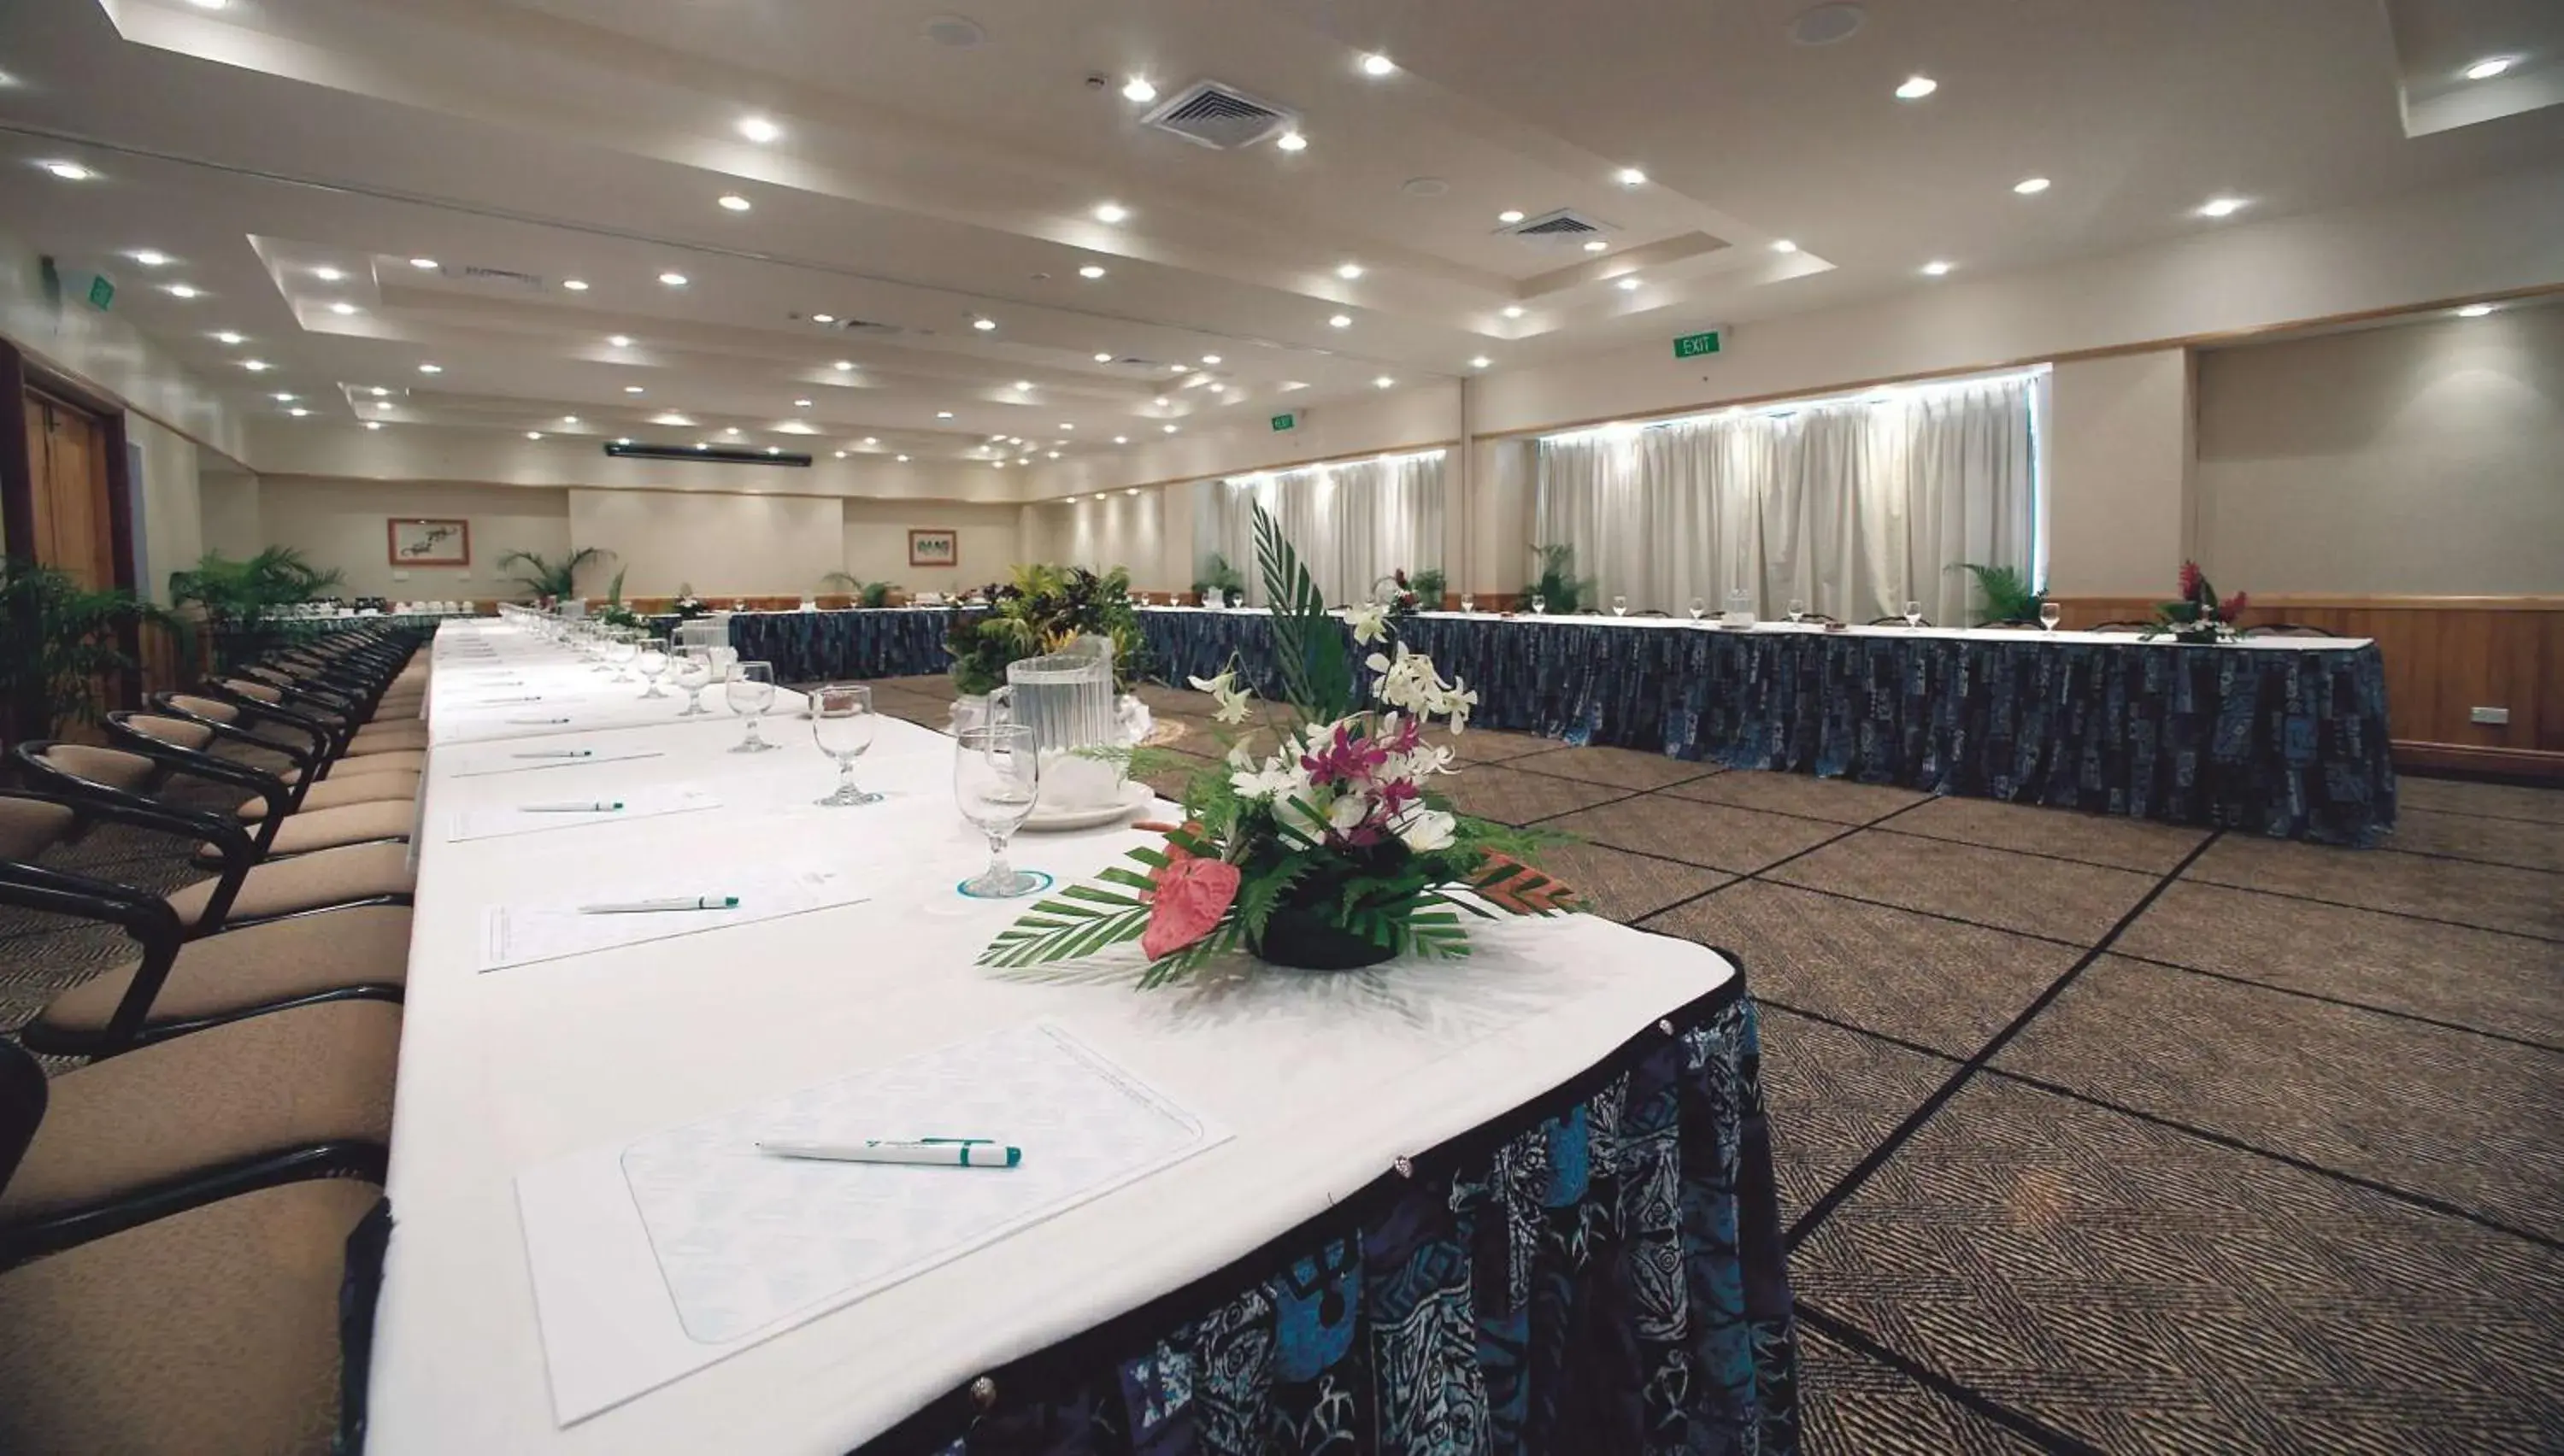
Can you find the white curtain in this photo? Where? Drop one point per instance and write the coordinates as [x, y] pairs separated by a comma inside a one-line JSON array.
[[1353, 521], [1853, 507]]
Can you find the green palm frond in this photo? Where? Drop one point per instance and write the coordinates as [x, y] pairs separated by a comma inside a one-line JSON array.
[[1308, 646]]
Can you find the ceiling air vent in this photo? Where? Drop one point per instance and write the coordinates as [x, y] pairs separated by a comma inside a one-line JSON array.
[[504, 276], [1566, 225], [1220, 116], [869, 326]]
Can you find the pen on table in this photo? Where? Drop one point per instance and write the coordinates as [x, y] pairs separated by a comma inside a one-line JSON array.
[[557, 753], [930, 1152], [592, 807], [643, 907], [537, 720]]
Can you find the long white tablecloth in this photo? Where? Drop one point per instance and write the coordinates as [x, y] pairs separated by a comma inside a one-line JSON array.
[[1324, 1080]]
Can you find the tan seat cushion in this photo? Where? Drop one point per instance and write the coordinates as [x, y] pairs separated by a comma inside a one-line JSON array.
[[255, 966], [306, 882], [261, 1084], [403, 761], [310, 829], [337, 793], [214, 1329], [398, 733], [29, 827]]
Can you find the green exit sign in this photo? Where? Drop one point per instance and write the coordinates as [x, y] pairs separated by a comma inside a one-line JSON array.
[[1289, 420], [100, 292], [1693, 345]]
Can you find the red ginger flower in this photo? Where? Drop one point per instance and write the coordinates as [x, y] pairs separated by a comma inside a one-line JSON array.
[[2191, 576], [2234, 606]]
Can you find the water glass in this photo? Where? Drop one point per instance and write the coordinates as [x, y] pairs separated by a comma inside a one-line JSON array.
[[1797, 609], [842, 725], [621, 648], [1699, 609], [1913, 614], [750, 691], [1539, 605], [996, 777], [653, 661], [693, 672], [1468, 602], [1620, 606], [2050, 614]]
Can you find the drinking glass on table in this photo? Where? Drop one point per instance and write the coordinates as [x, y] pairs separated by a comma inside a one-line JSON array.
[[1468, 602], [842, 725], [750, 691], [1797, 609], [653, 661], [2050, 614], [1699, 609], [1620, 606], [693, 673], [621, 648], [1913, 614], [996, 775], [1539, 605]]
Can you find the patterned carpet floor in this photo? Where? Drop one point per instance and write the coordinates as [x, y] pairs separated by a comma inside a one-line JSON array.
[[2093, 1135]]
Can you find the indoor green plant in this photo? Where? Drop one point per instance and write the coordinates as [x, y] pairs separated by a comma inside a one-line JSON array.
[[1218, 575], [57, 639], [2008, 596], [1333, 852], [240, 600], [864, 593], [1043, 609], [550, 580], [1557, 586]]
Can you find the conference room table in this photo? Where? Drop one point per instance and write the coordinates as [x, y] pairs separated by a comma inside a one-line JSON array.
[[1525, 1193]]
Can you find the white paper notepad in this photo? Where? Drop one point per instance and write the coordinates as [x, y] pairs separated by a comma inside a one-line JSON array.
[[654, 1260], [529, 818], [521, 934], [484, 761]]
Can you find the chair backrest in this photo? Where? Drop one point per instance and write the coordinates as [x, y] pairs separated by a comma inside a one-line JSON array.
[[260, 691], [212, 710], [2120, 626], [113, 767], [177, 733], [29, 827], [22, 1106], [2287, 629]]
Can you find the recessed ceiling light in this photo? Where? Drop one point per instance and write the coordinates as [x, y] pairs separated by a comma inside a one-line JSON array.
[[422, 264], [800, 404], [1000, 464], [1067, 425], [1090, 271], [342, 310], [1935, 268], [1160, 401], [1632, 177], [1121, 439], [622, 439], [2489, 67], [1378, 65], [378, 391], [575, 285], [1513, 310], [673, 280], [1054, 455], [284, 398], [533, 434], [1170, 429], [1594, 245], [326, 275], [1629, 285], [2474, 310], [824, 318], [1349, 271], [1340, 322], [1210, 358], [569, 419], [872, 439], [984, 324], [227, 337], [944, 414], [1104, 358], [297, 412], [1784, 245], [2221, 207], [1291, 141], [732, 202], [729, 429], [2031, 186], [842, 365], [182, 291], [1137, 88], [619, 341], [1382, 382], [1111, 212], [758, 130], [67, 172], [257, 366], [774, 450], [1510, 216], [841, 455], [1480, 362], [373, 423], [1916, 88], [903, 460], [632, 390], [702, 445], [431, 368]]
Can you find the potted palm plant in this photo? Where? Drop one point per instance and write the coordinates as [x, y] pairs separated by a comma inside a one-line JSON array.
[[547, 580], [59, 641], [241, 600]]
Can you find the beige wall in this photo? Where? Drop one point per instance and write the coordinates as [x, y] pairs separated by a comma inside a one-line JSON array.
[[721, 545], [2426, 459], [1121, 530], [57, 327], [346, 525], [2118, 457], [172, 524], [229, 512], [875, 545]]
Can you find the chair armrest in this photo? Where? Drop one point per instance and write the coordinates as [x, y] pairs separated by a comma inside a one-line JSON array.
[[145, 916]]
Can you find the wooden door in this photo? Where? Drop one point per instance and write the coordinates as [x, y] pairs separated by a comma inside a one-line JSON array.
[[67, 469]]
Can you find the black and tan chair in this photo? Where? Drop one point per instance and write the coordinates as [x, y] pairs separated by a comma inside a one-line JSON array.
[[2287, 629], [2122, 625], [293, 749], [215, 1329], [175, 985], [248, 888], [178, 746]]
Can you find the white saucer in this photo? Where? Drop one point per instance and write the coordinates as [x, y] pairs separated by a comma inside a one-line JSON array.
[[1134, 796]]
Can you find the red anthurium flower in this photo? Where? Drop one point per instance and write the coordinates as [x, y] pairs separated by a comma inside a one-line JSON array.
[[1191, 895]]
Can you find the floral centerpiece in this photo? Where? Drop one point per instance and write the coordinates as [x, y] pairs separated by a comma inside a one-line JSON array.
[[1332, 851], [1042, 610], [2199, 617], [689, 606], [1406, 595]]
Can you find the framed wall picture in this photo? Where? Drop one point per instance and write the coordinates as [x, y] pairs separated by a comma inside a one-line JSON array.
[[430, 543], [934, 549]]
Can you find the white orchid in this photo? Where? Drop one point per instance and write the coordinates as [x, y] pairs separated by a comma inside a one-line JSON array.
[[1427, 830], [1410, 680], [1370, 623], [1347, 812], [1233, 699], [1278, 780]]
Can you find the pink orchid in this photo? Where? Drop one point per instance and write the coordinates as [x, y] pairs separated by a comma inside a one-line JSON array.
[[1193, 893], [1345, 760]]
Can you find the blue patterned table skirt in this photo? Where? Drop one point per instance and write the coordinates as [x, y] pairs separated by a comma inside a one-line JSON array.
[[1600, 1270], [2288, 742], [835, 646]]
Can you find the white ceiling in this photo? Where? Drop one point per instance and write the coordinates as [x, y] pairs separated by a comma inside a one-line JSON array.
[[924, 185]]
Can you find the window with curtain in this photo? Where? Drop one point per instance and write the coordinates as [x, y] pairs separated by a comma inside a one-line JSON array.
[[1854, 507], [1352, 521]]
